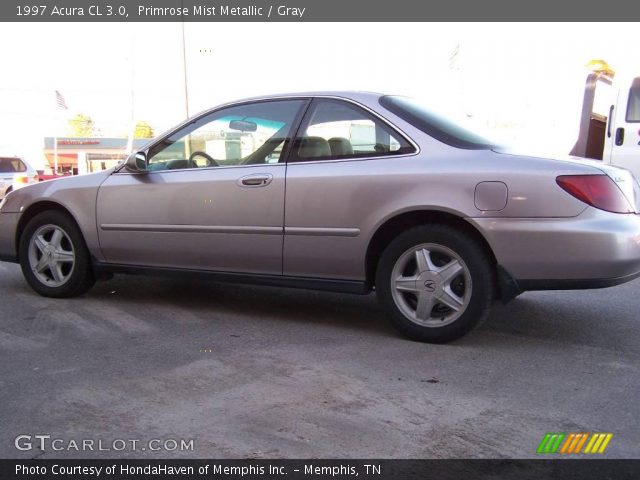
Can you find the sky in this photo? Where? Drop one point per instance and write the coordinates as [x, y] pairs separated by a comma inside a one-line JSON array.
[[522, 80]]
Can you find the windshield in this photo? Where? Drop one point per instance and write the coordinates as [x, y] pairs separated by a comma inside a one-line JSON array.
[[435, 124]]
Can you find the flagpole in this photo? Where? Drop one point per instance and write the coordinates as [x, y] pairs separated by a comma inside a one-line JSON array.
[[61, 104]]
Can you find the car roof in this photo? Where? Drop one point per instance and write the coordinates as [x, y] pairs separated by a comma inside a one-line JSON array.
[[350, 94]]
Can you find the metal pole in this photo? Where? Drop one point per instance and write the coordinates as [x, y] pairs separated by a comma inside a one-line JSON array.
[[55, 155], [184, 67], [132, 128]]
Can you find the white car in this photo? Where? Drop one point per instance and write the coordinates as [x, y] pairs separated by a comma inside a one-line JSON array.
[[15, 173]]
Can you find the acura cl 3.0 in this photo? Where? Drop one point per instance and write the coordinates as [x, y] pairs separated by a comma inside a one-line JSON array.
[[339, 191]]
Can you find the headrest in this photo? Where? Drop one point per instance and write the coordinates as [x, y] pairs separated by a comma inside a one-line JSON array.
[[340, 146], [312, 147]]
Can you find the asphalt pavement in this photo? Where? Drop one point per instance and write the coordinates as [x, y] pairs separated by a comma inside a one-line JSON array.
[[256, 372]]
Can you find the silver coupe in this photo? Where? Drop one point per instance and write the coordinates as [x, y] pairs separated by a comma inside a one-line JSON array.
[[342, 191]]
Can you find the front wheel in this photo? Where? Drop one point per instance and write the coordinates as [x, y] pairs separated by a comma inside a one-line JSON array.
[[54, 258], [435, 282]]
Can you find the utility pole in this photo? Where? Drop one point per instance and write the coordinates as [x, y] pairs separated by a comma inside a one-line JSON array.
[[132, 128], [184, 68]]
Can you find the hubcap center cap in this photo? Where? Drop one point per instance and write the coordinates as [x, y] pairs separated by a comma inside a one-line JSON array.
[[430, 283]]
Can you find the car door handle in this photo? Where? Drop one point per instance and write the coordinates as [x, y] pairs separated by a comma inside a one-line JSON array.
[[610, 121], [619, 136], [256, 180]]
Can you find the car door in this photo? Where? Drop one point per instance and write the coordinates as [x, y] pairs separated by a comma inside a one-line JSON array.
[[212, 197], [622, 140], [338, 177]]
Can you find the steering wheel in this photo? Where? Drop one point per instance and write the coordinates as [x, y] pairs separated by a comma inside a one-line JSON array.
[[210, 161]]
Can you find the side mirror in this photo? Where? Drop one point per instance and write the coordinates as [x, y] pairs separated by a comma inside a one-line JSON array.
[[137, 162]]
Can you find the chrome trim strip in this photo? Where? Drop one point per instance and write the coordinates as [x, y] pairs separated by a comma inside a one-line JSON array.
[[147, 227], [203, 169], [322, 231], [308, 231]]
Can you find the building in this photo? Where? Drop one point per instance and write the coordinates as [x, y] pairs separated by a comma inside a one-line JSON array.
[[86, 155]]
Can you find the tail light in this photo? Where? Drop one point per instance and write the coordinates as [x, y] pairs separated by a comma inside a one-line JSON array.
[[599, 191]]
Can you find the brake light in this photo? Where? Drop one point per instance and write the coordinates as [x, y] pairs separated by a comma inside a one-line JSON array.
[[22, 179], [599, 191]]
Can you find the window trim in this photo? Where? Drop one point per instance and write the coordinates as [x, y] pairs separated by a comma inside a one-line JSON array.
[[293, 157], [635, 84]]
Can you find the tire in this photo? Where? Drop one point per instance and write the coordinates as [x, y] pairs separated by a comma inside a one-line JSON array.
[[436, 283], [54, 258]]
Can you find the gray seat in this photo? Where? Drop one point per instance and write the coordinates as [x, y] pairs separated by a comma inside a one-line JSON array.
[[340, 146], [314, 147]]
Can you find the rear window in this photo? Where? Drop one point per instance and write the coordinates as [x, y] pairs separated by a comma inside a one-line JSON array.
[[11, 165], [434, 124], [633, 107]]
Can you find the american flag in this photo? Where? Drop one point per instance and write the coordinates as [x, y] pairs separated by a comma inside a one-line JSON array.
[[60, 101]]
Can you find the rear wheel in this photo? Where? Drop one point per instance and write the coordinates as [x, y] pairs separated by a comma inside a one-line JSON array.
[[435, 282], [54, 258]]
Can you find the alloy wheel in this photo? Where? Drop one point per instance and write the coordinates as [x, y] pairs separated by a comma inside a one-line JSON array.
[[431, 285], [51, 255]]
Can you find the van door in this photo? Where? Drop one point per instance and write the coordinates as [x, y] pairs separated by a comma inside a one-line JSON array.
[[622, 139]]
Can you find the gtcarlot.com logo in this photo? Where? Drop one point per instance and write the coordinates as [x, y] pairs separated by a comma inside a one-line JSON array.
[[573, 443], [46, 442]]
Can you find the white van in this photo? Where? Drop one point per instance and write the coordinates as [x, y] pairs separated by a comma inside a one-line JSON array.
[[610, 121], [622, 139], [15, 173]]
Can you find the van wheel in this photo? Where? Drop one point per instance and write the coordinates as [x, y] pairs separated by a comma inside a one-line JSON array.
[[435, 283], [54, 258]]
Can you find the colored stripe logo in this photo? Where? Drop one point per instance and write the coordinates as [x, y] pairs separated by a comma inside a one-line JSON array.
[[573, 443]]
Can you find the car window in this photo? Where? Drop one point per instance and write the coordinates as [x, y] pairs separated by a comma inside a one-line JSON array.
[[335, 129], [435, 124], [241, 135], [633, 107], [11, 165]]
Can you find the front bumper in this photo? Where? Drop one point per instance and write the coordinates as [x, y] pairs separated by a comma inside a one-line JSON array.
[[592, 250], [8, 228]]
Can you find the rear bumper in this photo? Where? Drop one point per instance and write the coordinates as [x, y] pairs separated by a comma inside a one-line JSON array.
[[8, 227], [596, 249]]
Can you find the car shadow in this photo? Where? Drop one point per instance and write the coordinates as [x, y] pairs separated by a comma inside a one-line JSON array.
[[202, 298], [599, 318]]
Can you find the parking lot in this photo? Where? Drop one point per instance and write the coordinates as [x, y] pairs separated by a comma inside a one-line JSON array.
[[271, 373]]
